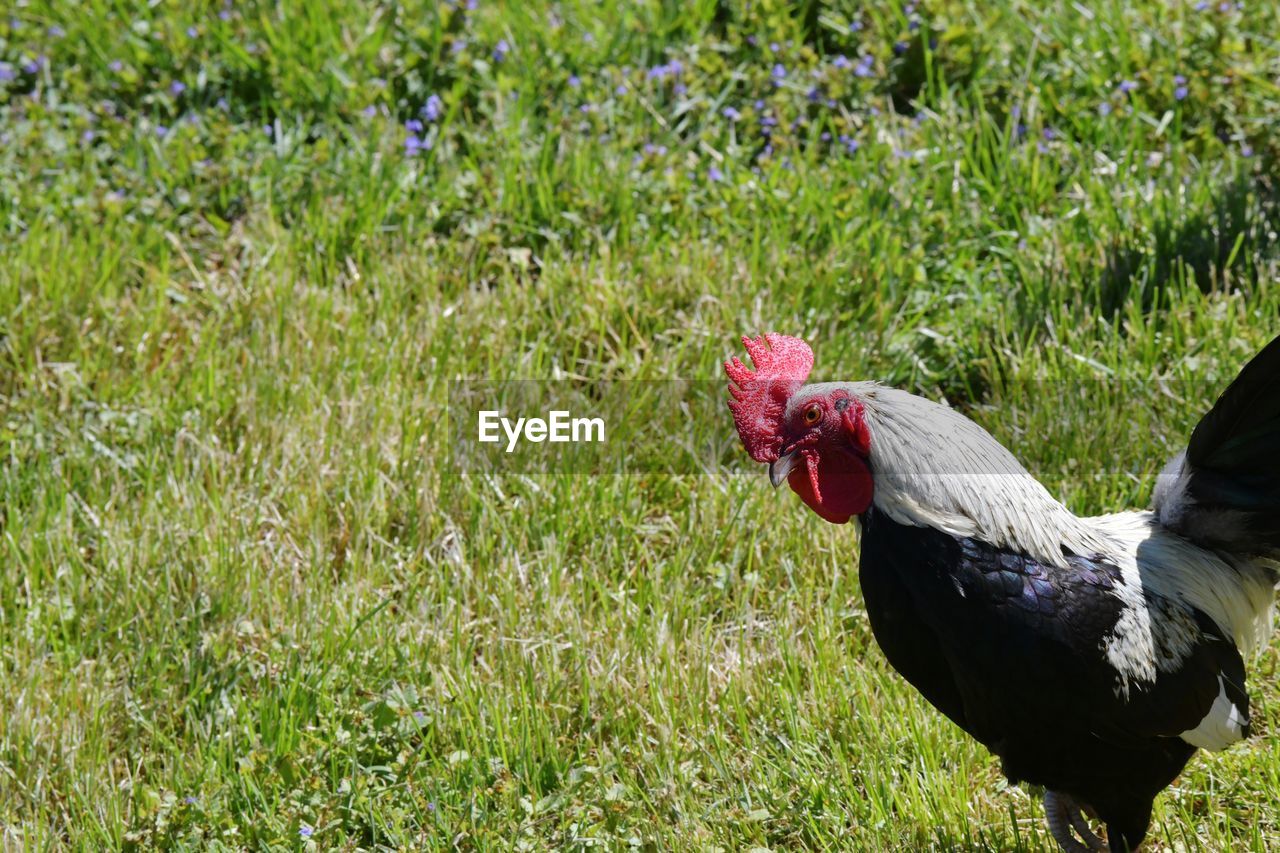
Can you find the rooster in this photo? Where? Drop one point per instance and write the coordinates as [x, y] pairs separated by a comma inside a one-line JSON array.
[[1093, 656]]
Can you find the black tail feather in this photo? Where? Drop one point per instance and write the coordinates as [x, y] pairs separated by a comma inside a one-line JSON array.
[[1223, 491]]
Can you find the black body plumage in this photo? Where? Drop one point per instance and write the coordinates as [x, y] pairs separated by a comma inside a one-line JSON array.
[[1012, 652]]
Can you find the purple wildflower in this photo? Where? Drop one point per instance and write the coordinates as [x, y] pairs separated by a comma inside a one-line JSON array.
[[413, 126], [855, 26], [715, 175], [224, 15], [674, 68], [814, 94], [773, 47], [1246, 150], [116, 65], [369, 111], [620, 90], [779, 72], [6, 72], [731, 114], [268, 130], [913, 24], [500, 50], [863, 68], [177, 87], [414, 145], [118, 196], [1127, 86], [679, 88], [574, 81], [1180, 93], [191, 801], [752, 41], [841, 61], [305, 831], [162, 131], [56, 32], [900, 48], [1049, 134], [31, 66], [222, 104], [1104, 108], [433, 108]]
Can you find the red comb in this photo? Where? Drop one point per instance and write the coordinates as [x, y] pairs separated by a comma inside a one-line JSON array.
[[760, 396]]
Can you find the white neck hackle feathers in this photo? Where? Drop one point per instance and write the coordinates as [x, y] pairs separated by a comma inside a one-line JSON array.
[[933, 467]]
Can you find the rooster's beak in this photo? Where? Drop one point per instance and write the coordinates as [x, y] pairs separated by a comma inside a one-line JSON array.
[[781, 467]]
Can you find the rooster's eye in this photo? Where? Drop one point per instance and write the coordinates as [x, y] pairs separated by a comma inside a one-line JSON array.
[[813, 414]]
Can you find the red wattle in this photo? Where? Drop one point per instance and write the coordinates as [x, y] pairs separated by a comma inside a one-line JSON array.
[[836, 485]]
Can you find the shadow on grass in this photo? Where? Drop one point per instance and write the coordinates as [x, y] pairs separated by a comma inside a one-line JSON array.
[[993, 840], [1218, 248]]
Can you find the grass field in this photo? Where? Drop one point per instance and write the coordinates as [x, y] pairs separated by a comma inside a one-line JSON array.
[[248, 596]]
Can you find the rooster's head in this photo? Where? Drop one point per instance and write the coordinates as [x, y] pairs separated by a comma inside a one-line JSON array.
[[813, 436]]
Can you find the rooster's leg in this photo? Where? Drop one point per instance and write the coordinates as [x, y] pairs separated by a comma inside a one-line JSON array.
[[1064, 814], [1082, 828]]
